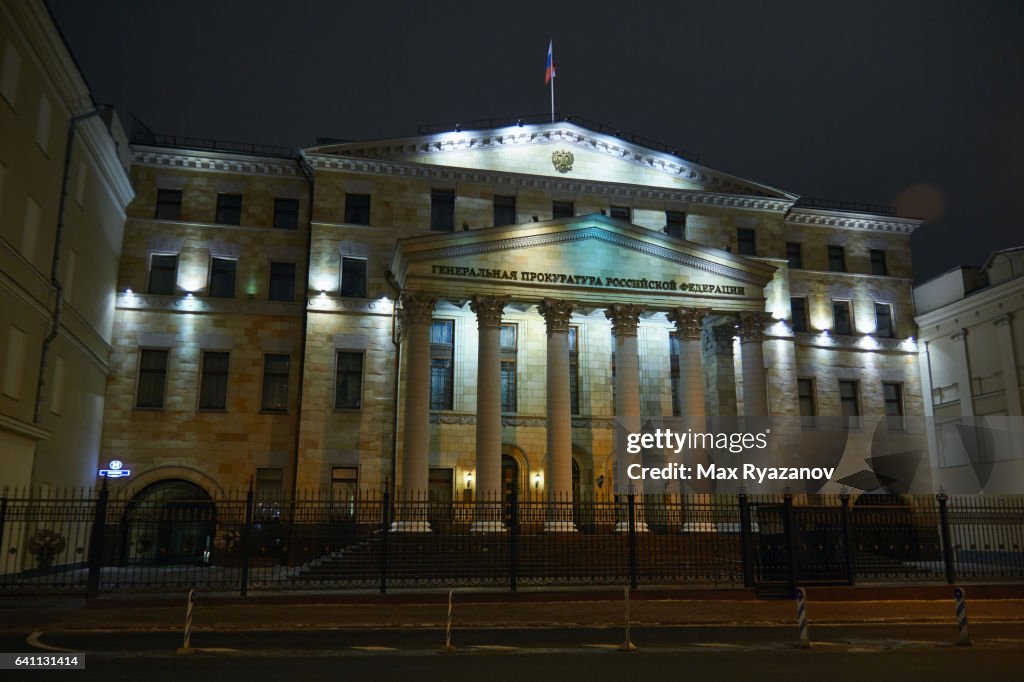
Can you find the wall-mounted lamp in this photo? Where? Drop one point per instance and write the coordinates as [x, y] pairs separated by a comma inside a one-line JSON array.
[[323, 292], [469, 481], [600, 481], [536, 480], [536, 219]]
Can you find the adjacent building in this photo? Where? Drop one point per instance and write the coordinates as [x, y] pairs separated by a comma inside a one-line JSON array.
[[64, 187]]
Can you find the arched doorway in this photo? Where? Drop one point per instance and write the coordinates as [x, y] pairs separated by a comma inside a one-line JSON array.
[[171, 521], [509, 478]]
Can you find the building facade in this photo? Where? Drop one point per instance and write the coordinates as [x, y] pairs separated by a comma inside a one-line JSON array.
[[460, 313], [64, 187], [971, 322]]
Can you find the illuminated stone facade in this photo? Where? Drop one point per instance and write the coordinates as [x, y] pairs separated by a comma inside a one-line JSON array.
[[469, 231]]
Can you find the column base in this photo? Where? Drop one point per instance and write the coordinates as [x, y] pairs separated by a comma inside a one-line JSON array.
[[487, 527], [623, 527], [700, 527], [559, 527], [410, 527]]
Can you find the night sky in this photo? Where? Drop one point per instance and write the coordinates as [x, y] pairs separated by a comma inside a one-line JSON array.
[[916, 104]]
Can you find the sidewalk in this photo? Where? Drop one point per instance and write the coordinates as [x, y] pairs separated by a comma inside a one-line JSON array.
[[564, 609]]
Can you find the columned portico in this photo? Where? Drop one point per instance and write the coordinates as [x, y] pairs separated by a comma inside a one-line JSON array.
[[417, 310], [488, 311], [556, 315], [755, 389]]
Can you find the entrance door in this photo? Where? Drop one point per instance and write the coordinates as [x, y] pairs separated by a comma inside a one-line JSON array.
[[440, 485], [509, 478]]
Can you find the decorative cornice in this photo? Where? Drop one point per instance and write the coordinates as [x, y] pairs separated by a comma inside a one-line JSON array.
[[564, 133], [488, 309], [851, 221], [203, 305], [625, 317], [512, 420], [23, 428], [849, 343], [556, 314], [646, 248], [221, 162], [334, 304], [548, 183], [417, 308], [689, 321]]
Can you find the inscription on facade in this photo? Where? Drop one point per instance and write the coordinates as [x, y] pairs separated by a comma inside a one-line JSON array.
[[576, 279]]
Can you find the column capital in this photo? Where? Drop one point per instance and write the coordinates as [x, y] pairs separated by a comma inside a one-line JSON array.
[[719, 339], [688, 321], [625, 317], [959, 335], [750, 325], [556, 314], [488, 309], [417, 308], [1003, 320]]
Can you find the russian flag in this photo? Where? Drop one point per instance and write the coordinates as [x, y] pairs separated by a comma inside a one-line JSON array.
[[549, 73]]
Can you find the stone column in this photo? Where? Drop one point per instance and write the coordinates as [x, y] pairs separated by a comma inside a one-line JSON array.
[[556, 315], [417, 310], [717, 353], [625, 318], [755, 390], [488, 311], [964, 389], [1011, 380], [689, 322]]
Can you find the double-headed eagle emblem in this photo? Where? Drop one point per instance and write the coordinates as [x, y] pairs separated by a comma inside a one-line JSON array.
[[562, 160]]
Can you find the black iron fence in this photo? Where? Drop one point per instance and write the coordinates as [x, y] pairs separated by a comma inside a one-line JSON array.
[[101, 544]]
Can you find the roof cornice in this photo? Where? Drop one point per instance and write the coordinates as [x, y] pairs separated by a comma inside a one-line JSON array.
[[222, 162], [852, 221], [552, 133]]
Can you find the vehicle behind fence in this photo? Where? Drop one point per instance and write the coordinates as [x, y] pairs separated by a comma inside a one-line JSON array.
[[101, 543]]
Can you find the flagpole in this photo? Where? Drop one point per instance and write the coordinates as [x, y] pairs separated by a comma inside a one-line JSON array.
[[552, 98]]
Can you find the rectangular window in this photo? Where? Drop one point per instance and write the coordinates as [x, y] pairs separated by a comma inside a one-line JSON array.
[[163, 274], [884, 327], [344, 492], [675, 224], [30, 229], [836, 259], [44, 123], [509, 344], [574, 369], [878, 262], [504, 210], [893, 396], [849, 402], [561, 209], [348, 380], [168, 204], [620, 213], [442, 210], [152, 378], [14, 363], [357, 209], [798, 309], [275, 382], [10, 73], [805, 395], [222, 277], [286, 213], [746, 244], [229, 209], [673, 355], [794, 252], [282, 282], [269, 483], [842, 322], [353, 277], [442, 365], [213, 387]]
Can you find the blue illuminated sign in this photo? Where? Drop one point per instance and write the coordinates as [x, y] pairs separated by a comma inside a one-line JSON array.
[[115, 470]]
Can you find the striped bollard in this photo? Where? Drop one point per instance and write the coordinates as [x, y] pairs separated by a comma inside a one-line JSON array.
[[448, 648], [801, 617], [963, 638], [186, 648]]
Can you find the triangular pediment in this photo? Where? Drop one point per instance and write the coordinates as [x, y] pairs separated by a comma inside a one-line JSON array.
[[560, 150], [592, 259]]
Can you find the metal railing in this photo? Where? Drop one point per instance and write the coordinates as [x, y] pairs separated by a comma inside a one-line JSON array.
[[80, 542]]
